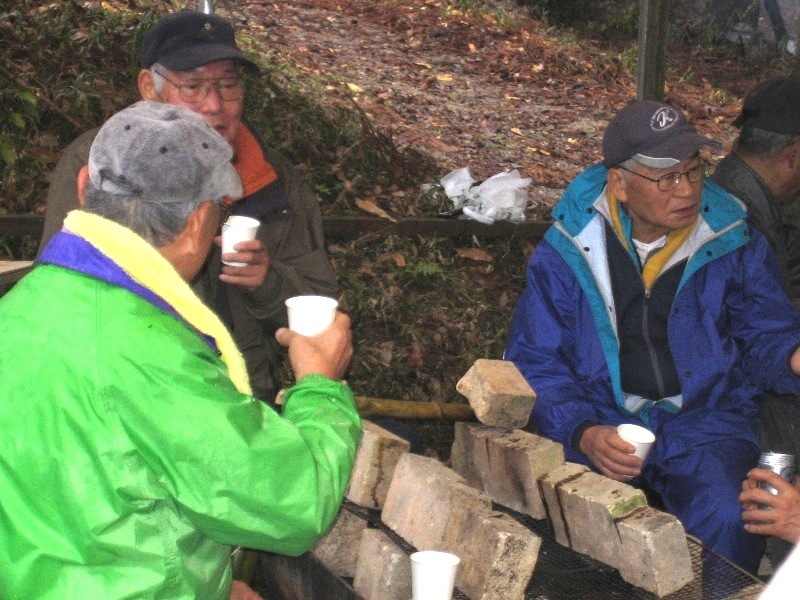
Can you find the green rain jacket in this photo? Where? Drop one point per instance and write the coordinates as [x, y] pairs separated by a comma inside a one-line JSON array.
[[129, 463]]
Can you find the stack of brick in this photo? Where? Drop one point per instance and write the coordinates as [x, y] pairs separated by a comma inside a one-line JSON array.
[[605, 519], [433, 507]]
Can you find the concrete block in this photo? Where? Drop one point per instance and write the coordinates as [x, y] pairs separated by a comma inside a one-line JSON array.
[[338, 548], [506, 464], [376, 460], [549, 485], [591, 504], [383, 570], [498, 393], [498, 554], [423, 496], [654, 554]]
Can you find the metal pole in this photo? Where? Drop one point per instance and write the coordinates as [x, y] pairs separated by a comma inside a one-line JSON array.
[[206, 6]]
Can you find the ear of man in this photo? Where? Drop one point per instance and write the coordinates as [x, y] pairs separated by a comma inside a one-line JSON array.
[[188, 251], [83, 181], [617, 184], [147, 86]]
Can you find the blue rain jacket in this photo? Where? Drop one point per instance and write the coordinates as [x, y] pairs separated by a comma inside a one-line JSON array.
[[731, 331]]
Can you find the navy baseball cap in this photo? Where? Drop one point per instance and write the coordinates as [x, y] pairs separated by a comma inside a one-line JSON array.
[[774, 105], [652, 133], [189, 39]]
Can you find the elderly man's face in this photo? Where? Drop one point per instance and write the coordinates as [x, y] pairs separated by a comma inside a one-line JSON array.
[[654, 212], [223, 115]]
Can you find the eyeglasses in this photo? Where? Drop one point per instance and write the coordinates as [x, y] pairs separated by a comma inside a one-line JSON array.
[[228, 88], [670, 181]]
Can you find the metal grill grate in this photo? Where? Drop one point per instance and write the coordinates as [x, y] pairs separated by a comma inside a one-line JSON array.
[[561, 573]]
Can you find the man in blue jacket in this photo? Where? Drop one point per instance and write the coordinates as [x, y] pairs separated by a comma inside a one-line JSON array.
[[651, 301]]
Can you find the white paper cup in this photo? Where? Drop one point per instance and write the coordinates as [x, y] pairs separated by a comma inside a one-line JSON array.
[[237, 229], [639, 437], [433, 575], [310, 315]]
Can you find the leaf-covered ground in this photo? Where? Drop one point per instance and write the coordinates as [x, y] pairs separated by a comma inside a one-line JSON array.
[[434, 85], [491, 90]]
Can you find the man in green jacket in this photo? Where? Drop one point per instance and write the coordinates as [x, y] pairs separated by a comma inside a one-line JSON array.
[[133, 455], [191, 59]]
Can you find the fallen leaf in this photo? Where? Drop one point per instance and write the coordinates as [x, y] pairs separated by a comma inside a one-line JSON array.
[[354, 88], [373, 209], [399, 260], [444, 77], [473, 254]]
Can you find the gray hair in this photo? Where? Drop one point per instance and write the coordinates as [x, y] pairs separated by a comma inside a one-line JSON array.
[[159, 81], [763, 143], [158, 223]]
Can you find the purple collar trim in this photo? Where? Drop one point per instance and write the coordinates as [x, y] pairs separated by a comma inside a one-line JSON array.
[[75, 253]]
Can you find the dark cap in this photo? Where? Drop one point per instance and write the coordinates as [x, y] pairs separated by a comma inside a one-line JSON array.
[[161, 153], [652, 133], [773, 105], [188, 39]]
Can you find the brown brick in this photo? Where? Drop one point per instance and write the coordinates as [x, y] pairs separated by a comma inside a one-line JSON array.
[[654, 554], [338, 549], [506, 464], [376, 460], [498, 554], [383, 570], [498, 393], [591, 505], [549, 485], [423, 496]]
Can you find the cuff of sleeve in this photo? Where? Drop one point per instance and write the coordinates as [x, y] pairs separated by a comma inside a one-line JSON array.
[[321, 385], [575, 441]]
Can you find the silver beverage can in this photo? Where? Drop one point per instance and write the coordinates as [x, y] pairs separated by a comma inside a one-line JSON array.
[[782, 464]]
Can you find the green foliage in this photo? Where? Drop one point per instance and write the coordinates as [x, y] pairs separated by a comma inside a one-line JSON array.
[[68, 66], [422, 314], [53, 91]]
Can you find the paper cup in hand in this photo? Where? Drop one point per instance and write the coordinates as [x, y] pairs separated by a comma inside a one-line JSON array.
[[639, 437], [310, 315], [433, 575], [237, 229]]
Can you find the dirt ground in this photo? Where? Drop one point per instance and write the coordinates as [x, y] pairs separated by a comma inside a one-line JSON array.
[[489, 92]]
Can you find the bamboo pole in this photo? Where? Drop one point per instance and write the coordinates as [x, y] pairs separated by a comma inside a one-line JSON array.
[[407, 409]]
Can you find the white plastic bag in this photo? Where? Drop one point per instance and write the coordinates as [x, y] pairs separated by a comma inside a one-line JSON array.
[[501, 197], [456, 184]]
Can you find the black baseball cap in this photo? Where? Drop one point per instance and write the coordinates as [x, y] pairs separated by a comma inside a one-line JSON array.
[[652, 133], [773, 105], [189, 39]]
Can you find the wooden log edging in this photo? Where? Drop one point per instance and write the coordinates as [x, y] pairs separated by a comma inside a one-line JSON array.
[[336, 226]]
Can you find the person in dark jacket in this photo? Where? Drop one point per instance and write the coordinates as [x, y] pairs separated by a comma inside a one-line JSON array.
[[651, 301], [763, 171], [191, 59]]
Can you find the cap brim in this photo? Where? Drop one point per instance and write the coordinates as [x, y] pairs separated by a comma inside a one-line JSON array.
[[674, 150], [190, 58]]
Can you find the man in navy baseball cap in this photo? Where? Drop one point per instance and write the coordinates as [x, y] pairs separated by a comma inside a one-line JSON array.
[[651, 301]]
